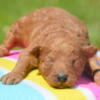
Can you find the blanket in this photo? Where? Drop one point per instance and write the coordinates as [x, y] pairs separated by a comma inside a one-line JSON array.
[[34, 87]]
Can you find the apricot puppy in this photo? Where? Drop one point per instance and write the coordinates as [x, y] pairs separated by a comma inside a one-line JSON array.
[[55, 41]]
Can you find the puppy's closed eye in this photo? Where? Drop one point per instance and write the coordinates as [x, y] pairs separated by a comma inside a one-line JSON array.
[[48, 61]]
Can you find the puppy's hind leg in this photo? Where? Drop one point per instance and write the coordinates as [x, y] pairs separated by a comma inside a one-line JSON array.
[[7, 45]]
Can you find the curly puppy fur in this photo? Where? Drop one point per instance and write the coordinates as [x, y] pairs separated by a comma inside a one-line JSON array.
[[55, 41]]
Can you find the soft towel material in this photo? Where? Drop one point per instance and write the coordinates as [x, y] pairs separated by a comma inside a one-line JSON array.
[[34, 87]]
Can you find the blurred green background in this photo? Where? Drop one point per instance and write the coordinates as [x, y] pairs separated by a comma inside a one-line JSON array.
[[86, 10]]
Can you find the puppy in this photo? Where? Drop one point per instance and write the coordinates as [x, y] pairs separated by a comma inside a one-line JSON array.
[[55, 41]]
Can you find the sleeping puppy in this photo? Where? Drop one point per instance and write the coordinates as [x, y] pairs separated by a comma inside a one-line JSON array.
[[55, 41]]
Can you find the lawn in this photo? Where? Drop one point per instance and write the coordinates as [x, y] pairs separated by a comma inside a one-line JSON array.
[[86, 10]]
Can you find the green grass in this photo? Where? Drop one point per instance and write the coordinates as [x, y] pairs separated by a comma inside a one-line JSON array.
[[86, 10]]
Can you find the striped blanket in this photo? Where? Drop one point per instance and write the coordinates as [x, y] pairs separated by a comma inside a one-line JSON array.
[[34, 87]]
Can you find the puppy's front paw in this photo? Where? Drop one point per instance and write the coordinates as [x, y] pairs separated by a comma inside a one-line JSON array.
[[11, 78], [97, 78]]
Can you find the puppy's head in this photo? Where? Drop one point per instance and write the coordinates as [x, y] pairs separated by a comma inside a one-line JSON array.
[[62, 68]]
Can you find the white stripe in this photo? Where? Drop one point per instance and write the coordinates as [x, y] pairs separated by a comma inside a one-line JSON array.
[[98, 54], [4, 70], [88, 94]]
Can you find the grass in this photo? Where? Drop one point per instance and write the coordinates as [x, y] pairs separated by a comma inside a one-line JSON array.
[[86, 10]]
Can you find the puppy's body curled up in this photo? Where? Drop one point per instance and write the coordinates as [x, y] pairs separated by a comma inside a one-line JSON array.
[[55, 41]]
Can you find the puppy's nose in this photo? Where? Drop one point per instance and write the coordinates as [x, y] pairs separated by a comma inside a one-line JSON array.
[[61, 77]]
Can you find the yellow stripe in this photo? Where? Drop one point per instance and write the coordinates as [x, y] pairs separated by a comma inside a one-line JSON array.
[[6, 63], [62, 94]]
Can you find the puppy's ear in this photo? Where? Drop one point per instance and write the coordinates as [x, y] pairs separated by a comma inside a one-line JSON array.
[[89, 51]]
